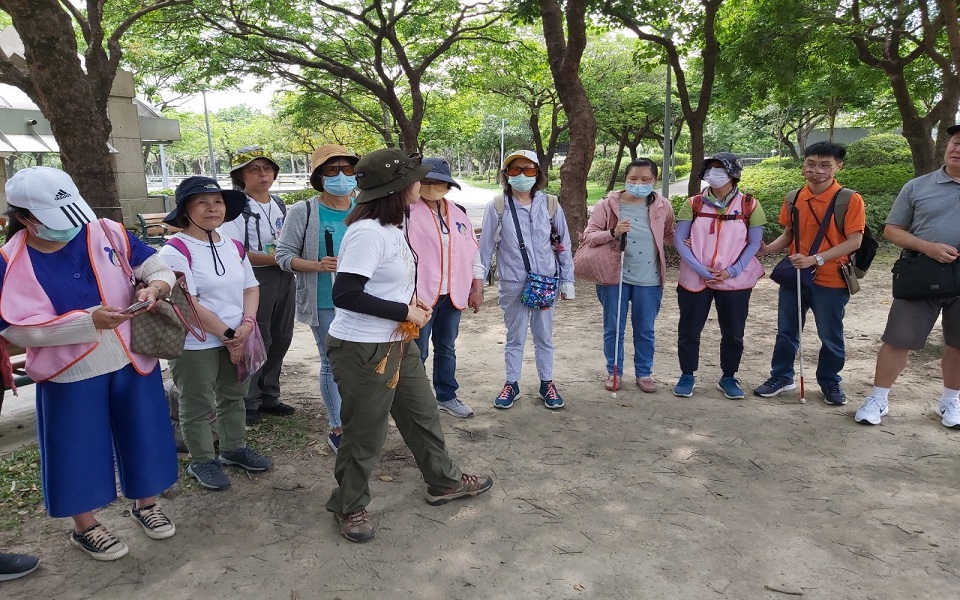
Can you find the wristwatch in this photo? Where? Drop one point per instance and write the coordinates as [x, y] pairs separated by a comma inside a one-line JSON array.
[[819, 260], [229, 333]]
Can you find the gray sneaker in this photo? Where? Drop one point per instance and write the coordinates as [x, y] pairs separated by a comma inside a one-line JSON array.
[[456, 408], [246, 458], [210, 474]]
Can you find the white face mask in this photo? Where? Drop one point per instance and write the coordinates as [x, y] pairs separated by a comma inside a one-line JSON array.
[[716, 177]]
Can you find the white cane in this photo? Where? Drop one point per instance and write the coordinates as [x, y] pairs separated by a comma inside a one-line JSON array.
[[616, 342], [803, 397]]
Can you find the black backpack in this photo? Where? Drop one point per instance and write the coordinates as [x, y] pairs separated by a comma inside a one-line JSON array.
[[863, 257]]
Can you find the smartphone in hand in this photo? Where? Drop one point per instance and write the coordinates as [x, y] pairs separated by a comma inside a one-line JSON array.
[[136, 306]]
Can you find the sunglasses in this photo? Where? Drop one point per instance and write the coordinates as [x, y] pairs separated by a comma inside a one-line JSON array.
[[332, 170], [528, 171], [259, 169]]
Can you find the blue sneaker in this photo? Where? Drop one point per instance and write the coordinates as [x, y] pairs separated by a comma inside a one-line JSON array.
[[730, 386], [833, 394], [509, 393], [684, 387], [551, 399], [333, 440]]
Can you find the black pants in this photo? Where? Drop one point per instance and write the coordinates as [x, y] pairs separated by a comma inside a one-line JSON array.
[[732, 308], [275, 316]]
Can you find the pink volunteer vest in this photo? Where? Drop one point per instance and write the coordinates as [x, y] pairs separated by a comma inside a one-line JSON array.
[[25, 303], [424, 236], [719, 249]]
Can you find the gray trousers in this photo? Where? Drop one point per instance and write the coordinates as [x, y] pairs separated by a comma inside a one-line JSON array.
[[368, 402], [275, 315], [518, 319]]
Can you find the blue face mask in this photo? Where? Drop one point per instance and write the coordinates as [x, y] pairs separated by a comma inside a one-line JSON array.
[[521, 183], [639, 190], [56, 235], [340, 185]]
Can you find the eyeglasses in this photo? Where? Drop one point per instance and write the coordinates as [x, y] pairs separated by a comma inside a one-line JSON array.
[[528, 171], [259, 169], [332, 170]]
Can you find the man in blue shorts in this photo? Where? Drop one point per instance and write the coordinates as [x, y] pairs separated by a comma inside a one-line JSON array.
[[923, 219]]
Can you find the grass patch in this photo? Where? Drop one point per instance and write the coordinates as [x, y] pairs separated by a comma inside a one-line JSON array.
[[20, 495]]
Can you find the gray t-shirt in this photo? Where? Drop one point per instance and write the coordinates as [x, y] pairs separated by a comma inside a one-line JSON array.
[[640, 263], [929, 208]]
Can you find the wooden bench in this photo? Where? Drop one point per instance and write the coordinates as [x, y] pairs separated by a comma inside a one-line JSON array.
[[152, 229]]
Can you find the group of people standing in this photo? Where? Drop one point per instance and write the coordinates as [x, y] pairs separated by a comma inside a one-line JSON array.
[[380, 263]]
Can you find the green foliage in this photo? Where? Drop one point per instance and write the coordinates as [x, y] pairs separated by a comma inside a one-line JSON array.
[[879, 186], [20, 495], [294, 197], [876, 150]]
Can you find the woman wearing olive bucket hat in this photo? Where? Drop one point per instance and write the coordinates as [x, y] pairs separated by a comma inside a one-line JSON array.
[[308, 247], [375, 360]]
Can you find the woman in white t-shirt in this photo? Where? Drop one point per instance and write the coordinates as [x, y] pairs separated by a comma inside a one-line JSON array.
[[375, 361], [219, 277]]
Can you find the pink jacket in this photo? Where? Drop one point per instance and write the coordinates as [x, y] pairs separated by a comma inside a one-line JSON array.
[[718, 244], [606, 214], [25, 303], [424, 236]]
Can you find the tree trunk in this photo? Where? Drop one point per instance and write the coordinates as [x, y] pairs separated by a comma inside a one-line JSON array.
[[616, 163], [564, 51], [57, 83]]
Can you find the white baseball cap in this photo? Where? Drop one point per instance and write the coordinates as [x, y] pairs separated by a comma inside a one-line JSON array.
[[527, 154], [50, 196]]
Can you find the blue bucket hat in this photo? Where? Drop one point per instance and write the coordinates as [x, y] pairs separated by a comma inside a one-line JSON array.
[[730, 161], [440, 171], [191, 186]]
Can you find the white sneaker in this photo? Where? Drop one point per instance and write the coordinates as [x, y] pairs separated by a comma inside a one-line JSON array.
[[456, 408], [871, 412], [950, 411]]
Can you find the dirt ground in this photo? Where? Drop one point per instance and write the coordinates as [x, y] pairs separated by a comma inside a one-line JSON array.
[[645, 496]]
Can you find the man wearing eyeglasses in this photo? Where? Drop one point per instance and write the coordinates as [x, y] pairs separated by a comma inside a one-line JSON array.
[[923, 219], [258, 228]]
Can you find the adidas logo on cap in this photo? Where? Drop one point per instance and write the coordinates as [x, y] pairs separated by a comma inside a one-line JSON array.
[[61, 196]]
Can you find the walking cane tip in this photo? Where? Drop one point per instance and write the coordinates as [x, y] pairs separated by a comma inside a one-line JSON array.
[[613, 395], [803, 400]]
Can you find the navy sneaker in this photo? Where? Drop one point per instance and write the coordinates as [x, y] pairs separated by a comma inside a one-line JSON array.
[[774, 386], [333, 440], [832, 394], [730, 386], [509, 393], [685, 385], [551, 399]]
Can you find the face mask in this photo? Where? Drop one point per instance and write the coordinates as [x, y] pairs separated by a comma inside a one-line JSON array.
[[340, 185], [639, 190], [56, 235], [521, 183], [433, 192], [716, 177]]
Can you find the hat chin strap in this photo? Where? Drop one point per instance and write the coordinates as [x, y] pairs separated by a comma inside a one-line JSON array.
[[218, 267]]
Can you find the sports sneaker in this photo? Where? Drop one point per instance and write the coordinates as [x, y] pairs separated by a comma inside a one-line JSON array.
[[774, 386], [210, 474], [950, 411], [15, 566], [730, 386], [509, 393], [832, 394], [333, 440], [456, 408], [356, 526], [470, 485], [685, 385], [871, 412], [246, 458], [99, 543], [548, 392], [155, 524]]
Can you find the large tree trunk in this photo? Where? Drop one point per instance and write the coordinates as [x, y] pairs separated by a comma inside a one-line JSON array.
[[59, 86], [564, 51]]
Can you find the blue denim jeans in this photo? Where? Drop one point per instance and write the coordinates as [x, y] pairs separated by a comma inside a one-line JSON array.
[[443, 328], [828, 306], [645, 305], [328, 387]]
